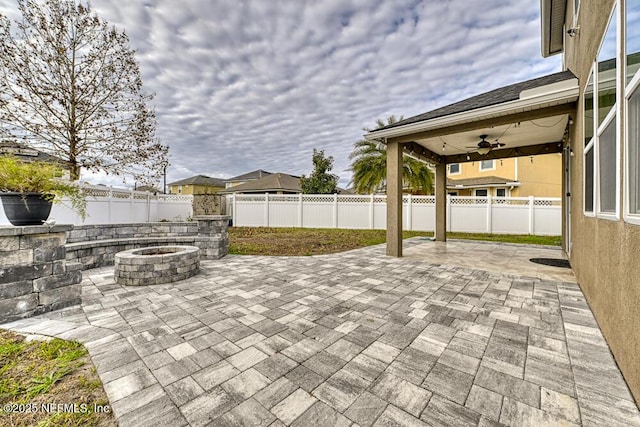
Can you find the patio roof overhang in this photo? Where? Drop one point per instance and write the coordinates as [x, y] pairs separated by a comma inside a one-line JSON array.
[[533, 123], [529, 118]]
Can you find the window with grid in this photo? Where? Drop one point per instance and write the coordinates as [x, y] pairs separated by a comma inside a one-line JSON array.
[[487, 165], [454, 168]]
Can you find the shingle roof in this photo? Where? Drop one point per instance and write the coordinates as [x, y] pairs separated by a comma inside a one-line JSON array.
[[200, 180], [26, 153], [483, 180], [256, 174], [271, 182], [494, 97]]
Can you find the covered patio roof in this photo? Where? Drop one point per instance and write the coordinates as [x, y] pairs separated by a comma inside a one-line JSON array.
[[528, 114], [523, 119]]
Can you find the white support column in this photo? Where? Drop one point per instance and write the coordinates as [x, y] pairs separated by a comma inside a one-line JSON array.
[[266, 209], [148, 206], [300, 222], [489, 214]]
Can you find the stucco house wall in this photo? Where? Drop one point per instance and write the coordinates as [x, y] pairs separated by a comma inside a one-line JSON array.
[[605, 254]]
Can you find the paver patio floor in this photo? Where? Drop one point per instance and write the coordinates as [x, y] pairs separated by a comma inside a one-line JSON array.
[[355, 338]]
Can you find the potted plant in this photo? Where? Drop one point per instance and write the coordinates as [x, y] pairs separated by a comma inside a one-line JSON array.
[[28, 189]]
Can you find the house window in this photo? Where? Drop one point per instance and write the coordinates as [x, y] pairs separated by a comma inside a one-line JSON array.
[[501, 192], [633, 153], [588, 179], [179, 189], [487, 165], [632, 39], [607, 168], [607, 71], [606, 142], [452, 193], [482, 192], [454, 168], [632, 80]]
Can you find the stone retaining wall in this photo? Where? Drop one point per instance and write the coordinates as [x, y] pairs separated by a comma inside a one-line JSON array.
[[34, 275], [86, 233], [96, 245]]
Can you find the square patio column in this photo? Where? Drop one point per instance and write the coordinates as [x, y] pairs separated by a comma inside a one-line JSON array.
[[394, 199], [441, 202]]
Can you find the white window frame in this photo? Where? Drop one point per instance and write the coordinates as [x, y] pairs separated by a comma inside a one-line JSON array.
[[475, 192], [453, 193], [481, 169], [506, 192], [613, 114], [459, 169], [589, 146], [633, 85]]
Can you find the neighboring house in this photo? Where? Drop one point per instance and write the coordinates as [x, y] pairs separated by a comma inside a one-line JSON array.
[[275, 183], [199, 184], [26, 153], [590, 112], [246, 177], [539, 176]]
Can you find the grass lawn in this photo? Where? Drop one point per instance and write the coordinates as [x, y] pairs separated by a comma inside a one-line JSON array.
[[316, 241], [49, 383]]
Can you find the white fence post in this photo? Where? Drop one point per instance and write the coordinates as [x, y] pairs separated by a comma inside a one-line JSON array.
[[489, 214], [335, 210], [266, 209], [371, 218], [531, 219], [449, 217], [300, 210], [110, 203], [233, 211], [131, 211], [409, 212]]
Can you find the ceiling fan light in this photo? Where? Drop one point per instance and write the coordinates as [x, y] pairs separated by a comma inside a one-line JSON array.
[[484, 150]]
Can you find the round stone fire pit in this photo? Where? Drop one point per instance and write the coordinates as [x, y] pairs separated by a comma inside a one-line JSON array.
[[155, 265]]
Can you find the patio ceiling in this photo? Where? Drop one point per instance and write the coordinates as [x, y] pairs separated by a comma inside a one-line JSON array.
[[530, 118]]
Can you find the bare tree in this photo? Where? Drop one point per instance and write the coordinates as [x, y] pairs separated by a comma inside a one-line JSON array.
[[70, 86]]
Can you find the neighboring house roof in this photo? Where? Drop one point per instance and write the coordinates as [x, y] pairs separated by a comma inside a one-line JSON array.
[[26, 153], [256, 174], [270, 183], [200, 180], [480, 181], [494, 97]]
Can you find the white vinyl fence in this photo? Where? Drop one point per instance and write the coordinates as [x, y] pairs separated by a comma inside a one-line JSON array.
[[510, 215], [107, 205]]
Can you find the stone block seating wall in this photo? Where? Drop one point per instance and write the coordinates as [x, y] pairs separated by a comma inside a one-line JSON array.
[[35, 277], [96, 245]]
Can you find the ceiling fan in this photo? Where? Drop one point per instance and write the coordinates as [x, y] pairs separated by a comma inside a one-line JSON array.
[[485, 146]]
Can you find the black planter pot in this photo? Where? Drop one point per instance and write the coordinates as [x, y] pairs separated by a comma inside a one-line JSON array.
[[25, 208]]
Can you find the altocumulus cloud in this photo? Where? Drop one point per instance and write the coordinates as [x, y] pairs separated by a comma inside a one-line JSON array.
[[248, 84]]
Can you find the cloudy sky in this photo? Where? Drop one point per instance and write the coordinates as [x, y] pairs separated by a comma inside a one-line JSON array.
[[257, 84]]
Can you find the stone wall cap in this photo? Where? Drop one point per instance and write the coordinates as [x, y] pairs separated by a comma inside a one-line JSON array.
[[10, 230], [212, 217]]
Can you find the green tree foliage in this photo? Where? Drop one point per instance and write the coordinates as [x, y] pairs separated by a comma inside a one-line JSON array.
[[369, 166], [70, 86], [320, 181]]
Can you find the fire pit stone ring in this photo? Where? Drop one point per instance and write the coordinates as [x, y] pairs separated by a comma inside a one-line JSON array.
[[155, 265]]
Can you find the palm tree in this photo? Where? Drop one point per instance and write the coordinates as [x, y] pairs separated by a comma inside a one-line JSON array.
[[369, 166]]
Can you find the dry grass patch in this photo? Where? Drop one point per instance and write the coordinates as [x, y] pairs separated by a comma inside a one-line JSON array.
[[49, 383], [317, 241]]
